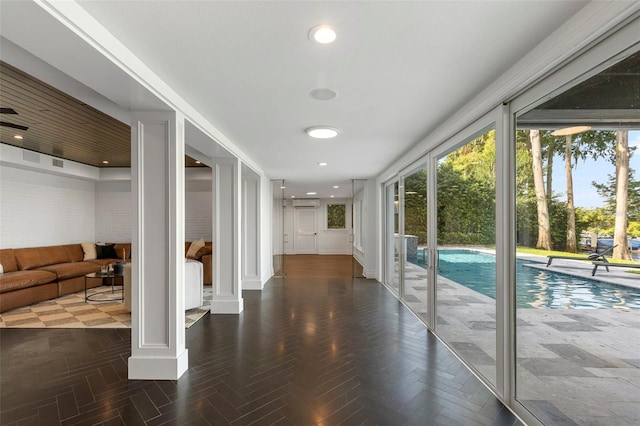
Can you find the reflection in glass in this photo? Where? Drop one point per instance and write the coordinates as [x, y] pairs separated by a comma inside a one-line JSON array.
[[277, 190], [393, 248], [359, 197]]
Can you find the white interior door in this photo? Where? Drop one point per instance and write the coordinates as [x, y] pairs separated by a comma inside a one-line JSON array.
[[306, 232]]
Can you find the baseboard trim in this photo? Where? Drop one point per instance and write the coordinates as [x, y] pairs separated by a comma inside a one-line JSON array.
[[252, 284], [226, 306], [158, 368]]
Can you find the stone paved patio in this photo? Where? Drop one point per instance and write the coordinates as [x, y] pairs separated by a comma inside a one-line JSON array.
[[574, 366]]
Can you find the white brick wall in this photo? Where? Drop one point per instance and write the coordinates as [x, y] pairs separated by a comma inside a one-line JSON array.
[[38, 209], [198, 210], [114, 211]]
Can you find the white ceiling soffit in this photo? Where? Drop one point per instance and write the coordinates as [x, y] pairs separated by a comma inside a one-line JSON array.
[[400, 69]]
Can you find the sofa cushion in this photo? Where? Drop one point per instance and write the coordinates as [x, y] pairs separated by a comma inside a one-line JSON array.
[[8, 260], [10, 281], [35, 257], [202, 252], [75, 253], [70, 270], [106, 251], [88, 250], [193, 248]]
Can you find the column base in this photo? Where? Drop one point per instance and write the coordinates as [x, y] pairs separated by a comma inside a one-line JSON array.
[[227, 306], [252, 284], [158, 368]]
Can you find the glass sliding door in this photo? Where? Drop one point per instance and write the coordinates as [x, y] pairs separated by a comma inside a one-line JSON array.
[[577, 333], [393, 249], [466, 257], [357, 238], [277, 236], [414, 207]]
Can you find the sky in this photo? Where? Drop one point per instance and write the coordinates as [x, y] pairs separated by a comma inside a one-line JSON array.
[[584, 172]]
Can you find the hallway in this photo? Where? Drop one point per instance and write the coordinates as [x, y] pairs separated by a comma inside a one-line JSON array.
[[315, 351], [321, 266]]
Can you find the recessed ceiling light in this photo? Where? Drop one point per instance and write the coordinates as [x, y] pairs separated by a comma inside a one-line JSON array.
[[18, 137], [312, 193], [323, 34], [335, 187], [570, 130], [322, 132], [322, 164], [105, 161], [323, 94], [197, 162], [293, 196], [332, 196], [283, 187]]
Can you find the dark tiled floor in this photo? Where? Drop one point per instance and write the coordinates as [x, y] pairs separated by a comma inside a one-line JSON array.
[[304, 352]]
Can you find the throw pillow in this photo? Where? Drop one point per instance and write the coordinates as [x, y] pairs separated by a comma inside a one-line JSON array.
[[194, 247], [106, 251], [89, 250], [202, 252]]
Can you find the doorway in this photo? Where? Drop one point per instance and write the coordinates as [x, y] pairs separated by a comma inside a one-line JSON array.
[[306, 233]]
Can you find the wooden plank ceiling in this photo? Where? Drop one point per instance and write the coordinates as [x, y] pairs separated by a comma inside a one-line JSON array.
[[60, 125]]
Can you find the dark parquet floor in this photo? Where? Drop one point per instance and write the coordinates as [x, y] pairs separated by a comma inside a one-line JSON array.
[[303, 352]]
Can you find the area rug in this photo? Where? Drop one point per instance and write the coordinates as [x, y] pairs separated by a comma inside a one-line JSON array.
[[71, 311]]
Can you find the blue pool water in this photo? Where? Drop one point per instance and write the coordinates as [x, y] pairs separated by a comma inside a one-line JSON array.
[[535, 287]]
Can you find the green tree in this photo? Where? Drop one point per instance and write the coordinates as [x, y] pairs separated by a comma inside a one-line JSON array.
[[466, 193], [415, 205]]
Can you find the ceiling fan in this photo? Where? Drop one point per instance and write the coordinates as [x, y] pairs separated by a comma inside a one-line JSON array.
[[12, 125]]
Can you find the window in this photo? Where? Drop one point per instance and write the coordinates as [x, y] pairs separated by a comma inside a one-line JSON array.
[[336, 216]]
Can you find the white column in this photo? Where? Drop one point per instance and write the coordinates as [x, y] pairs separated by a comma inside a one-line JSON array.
[[251, 233], [227, 217], [157, 316]]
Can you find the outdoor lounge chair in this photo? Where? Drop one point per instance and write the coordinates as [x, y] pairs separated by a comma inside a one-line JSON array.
[[607, 264], [590, 257]]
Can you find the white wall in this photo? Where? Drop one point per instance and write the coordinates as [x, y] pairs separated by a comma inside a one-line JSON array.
[[330, 241], [40, 209], [113, 211], [198, 210], [114, 208]]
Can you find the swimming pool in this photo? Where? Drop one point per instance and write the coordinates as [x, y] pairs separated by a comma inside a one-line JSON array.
[[534, 287]]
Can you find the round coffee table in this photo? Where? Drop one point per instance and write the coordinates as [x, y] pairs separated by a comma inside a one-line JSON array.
[[102, 296]]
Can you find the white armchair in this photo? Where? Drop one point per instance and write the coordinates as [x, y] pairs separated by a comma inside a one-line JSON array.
[[193, 285]]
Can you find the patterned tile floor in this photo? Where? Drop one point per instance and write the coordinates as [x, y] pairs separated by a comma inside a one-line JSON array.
[[575, 366], [71, 311]]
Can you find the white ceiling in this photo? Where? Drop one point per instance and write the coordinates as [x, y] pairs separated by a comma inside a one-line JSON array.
[[400, 69]]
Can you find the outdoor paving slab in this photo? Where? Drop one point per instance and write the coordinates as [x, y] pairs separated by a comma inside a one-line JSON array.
[[552, 367], [482, 325], [628, 412], [410, 298], [634, 362], [472, 353], [548, 413], [571, 326], [577, 356], [470, 299], [587, 319]]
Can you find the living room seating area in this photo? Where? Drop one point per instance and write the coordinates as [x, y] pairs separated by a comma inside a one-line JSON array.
[[33, 274]]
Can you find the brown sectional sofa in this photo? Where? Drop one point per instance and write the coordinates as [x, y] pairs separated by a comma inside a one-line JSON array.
[[35, 274]]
